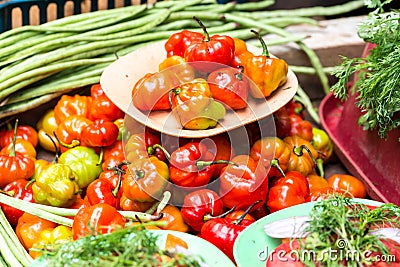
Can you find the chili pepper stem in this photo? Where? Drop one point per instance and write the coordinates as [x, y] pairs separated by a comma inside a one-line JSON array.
[[8, 193], [31, 181], [73, 144], [264, 46], [12, 153], [206, 35], [275, 163], [153, 147], [101, 156], [241, 218], [320, 167], [208, 217], [200, 164], [115, 191]]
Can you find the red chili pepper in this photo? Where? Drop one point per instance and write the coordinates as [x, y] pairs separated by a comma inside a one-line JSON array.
[[24, 132], [200, 206], [100, 133], [97, 219], [230, 86], [152, 140], [72, 105], [217, 48], [243, 183], [242, 54], [288, 191], [18, 189], [102, 107], [177, 43], [102, 190], [14, 166], [69, 131], [300, 127], [191, 165], [295, 107], [282, 123], [222, 232], [113, 155]]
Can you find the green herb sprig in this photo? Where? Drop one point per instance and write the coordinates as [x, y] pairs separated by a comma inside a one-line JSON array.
[[341, 225], [129, 246], [378, 74]]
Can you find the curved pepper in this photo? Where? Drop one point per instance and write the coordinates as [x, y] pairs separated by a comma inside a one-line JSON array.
[[46, 126], [50, 239], [83, 162], [146, 179], [56, 186], [303, 155], [273, 153], [266, 72], [191, 165], [244, 183]]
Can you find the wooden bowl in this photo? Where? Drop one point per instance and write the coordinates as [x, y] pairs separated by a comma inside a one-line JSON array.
[[118, 79]]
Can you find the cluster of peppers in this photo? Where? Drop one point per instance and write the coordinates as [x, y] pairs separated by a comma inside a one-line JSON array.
[[203, 76]]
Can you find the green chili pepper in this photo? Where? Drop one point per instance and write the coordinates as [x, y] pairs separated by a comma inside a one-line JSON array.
[[208, 117]]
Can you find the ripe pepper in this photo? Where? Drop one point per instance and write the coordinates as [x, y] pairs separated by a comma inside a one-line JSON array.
[[143, 145], [243, 183], [222, 232], [24, 132], [97, 219], [18, 189], [103, 190], [29, 228], [100, 133], [173, 218], [200, 206], [316, 182], [22, 146], [300, 127], [102, 108], [151, 91], [56, 186], [266, 72], [130, 205], [348, 184], [192, 104], [272, 153], [217, 48], [191, 165], [295, 107], [300, 161], [14, 166], [242, 54], [50, 239], [40, 165], [146, 179], [83, 161], [46, 127], [178, 66], [72, 105], [282, 123], [113, 155], [288, 191], [177, 43], [69, 131], [324, 146], [230, 86]]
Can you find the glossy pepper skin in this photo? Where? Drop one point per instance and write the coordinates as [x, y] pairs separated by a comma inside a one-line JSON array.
[[348, 184], [322, 143], [266, 72], [300, 127], [143, 145], [22, 146], [56, 186], [174, 220], [146, 179], [230, 86], [282, 123], [17, 189], [177, 43], [244, 183], [100, 133], [29, 228], [272, 153], [46, 126], [242, 54], [69, 130], [15, 166], [50, 238], [288, 191], [194, 107], [102, 108], [200, 206], [72, 105], [178, 66], [83, 161], [190, 165], [303, 155], [24, 132], [151, 91], [217, 48], [97, 219], [102, 190]]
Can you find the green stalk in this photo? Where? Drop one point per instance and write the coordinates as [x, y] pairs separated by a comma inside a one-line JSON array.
[[308, 105], [31, 209], [6, 251], [17, 247], [251, 6], [310, 70]]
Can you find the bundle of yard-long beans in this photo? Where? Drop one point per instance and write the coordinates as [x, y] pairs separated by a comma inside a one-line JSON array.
[[39, 63]]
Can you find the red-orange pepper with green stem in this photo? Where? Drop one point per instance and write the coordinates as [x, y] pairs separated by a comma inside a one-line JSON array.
[[266, 72], [303, 155]]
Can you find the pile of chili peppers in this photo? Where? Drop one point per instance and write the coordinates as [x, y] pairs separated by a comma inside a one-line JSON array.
[[203, 76], [100, 174]]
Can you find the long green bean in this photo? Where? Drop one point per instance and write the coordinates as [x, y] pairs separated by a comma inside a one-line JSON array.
[[252, 6]]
